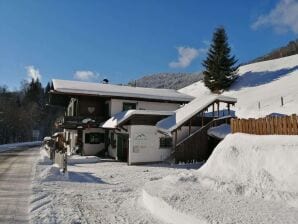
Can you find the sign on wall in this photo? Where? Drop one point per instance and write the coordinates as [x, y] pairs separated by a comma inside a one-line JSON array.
[[140, 142]]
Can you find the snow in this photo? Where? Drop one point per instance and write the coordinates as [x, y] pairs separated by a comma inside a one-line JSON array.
[[87, 120], [7, 147], [266, 163], [167, 125], [47, 138], [102, 192], [220, 131], [121, 117], [165, 212], [77, 159], [76, 87], [264, 82], [247, 179]]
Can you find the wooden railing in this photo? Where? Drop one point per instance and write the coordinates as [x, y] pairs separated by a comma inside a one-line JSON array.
[[286, 125], [196, 147]]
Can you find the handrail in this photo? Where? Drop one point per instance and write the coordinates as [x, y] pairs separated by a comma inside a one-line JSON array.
[[202, 128]]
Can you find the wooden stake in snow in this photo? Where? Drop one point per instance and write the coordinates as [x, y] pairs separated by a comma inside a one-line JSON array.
[[282, 101], [259, 105]]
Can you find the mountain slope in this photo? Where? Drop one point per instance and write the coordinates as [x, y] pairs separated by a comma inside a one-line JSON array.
[[262, 83], [167, 80], [290, 49]]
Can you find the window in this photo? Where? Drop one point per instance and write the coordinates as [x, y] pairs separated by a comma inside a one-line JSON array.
[[129, 106], [165, 142], [94, 138]]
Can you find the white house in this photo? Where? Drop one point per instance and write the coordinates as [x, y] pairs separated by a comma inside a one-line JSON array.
[[89, 105], [138, 125]]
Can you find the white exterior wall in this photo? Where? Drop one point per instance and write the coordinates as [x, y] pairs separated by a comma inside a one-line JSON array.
[[116, 105], [144, 145], [92, 149]]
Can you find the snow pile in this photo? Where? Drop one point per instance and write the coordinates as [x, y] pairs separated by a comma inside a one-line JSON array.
[[264, 166], [167, 213], [53, 173], [44, 157], [220, 131], [7, 147], [77, 159], [247, 179], [262, 83]]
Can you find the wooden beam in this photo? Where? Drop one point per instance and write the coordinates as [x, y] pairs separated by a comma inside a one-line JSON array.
[[189, 127], [202, 114], [217, 109], [213, 114]]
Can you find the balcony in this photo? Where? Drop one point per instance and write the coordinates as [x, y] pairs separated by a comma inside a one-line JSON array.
[[72, 122]]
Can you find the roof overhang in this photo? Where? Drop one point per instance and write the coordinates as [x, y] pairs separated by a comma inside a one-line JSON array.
[[135, 117]]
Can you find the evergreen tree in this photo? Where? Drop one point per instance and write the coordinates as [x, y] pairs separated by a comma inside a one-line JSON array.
[[34, 92], [220, 70]]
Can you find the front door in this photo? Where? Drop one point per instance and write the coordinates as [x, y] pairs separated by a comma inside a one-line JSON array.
[[122, 147]]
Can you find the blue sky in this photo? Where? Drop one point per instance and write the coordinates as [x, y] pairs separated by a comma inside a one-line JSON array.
[[124, 40]]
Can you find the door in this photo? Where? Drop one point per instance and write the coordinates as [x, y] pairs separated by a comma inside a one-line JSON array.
[[122, 147]]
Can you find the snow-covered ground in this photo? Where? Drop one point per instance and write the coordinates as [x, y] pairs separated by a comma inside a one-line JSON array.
[[247, 179], [102, 192], [264, 83], [7, 147]]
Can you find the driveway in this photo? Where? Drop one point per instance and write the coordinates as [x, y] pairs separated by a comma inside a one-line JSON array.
[[15, 184]]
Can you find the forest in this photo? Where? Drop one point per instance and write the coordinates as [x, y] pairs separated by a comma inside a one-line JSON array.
[[25, 114]]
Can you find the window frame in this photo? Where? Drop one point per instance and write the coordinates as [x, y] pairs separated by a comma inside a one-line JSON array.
[[88, 138], [125, 104], [165, 142]]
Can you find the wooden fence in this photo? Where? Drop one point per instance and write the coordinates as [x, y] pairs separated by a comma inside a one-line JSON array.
[[286, 125]]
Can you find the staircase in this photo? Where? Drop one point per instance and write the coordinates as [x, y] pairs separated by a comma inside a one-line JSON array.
[[198, 146]]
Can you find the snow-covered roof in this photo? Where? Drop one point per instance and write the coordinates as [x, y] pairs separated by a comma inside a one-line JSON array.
[[99, 89], [167, 125], [123, 116]]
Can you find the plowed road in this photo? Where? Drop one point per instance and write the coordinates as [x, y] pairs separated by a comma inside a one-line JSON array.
[[15, 184]]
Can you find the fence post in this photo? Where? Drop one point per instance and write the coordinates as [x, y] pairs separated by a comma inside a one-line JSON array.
[[282, 101], [294, 122]]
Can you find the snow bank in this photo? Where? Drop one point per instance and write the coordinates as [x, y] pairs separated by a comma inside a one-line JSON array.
[[265, 166], [162, 210], [53, 173], [44, 158], [7, 147], [220, 131], [77, 159]]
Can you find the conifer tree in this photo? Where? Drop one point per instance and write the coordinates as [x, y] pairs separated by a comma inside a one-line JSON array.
[[220, 70]]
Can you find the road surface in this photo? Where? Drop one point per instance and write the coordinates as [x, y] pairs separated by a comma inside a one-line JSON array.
[[15, 184]]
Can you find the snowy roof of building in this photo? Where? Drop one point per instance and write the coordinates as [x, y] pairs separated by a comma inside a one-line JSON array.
[[99, 89], [123, 116], [183, 114]]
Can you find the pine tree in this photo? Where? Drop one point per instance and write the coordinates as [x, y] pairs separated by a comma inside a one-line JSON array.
[[220, 70]]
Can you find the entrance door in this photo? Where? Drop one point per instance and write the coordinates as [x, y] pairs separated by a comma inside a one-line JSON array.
[[122, 147]]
